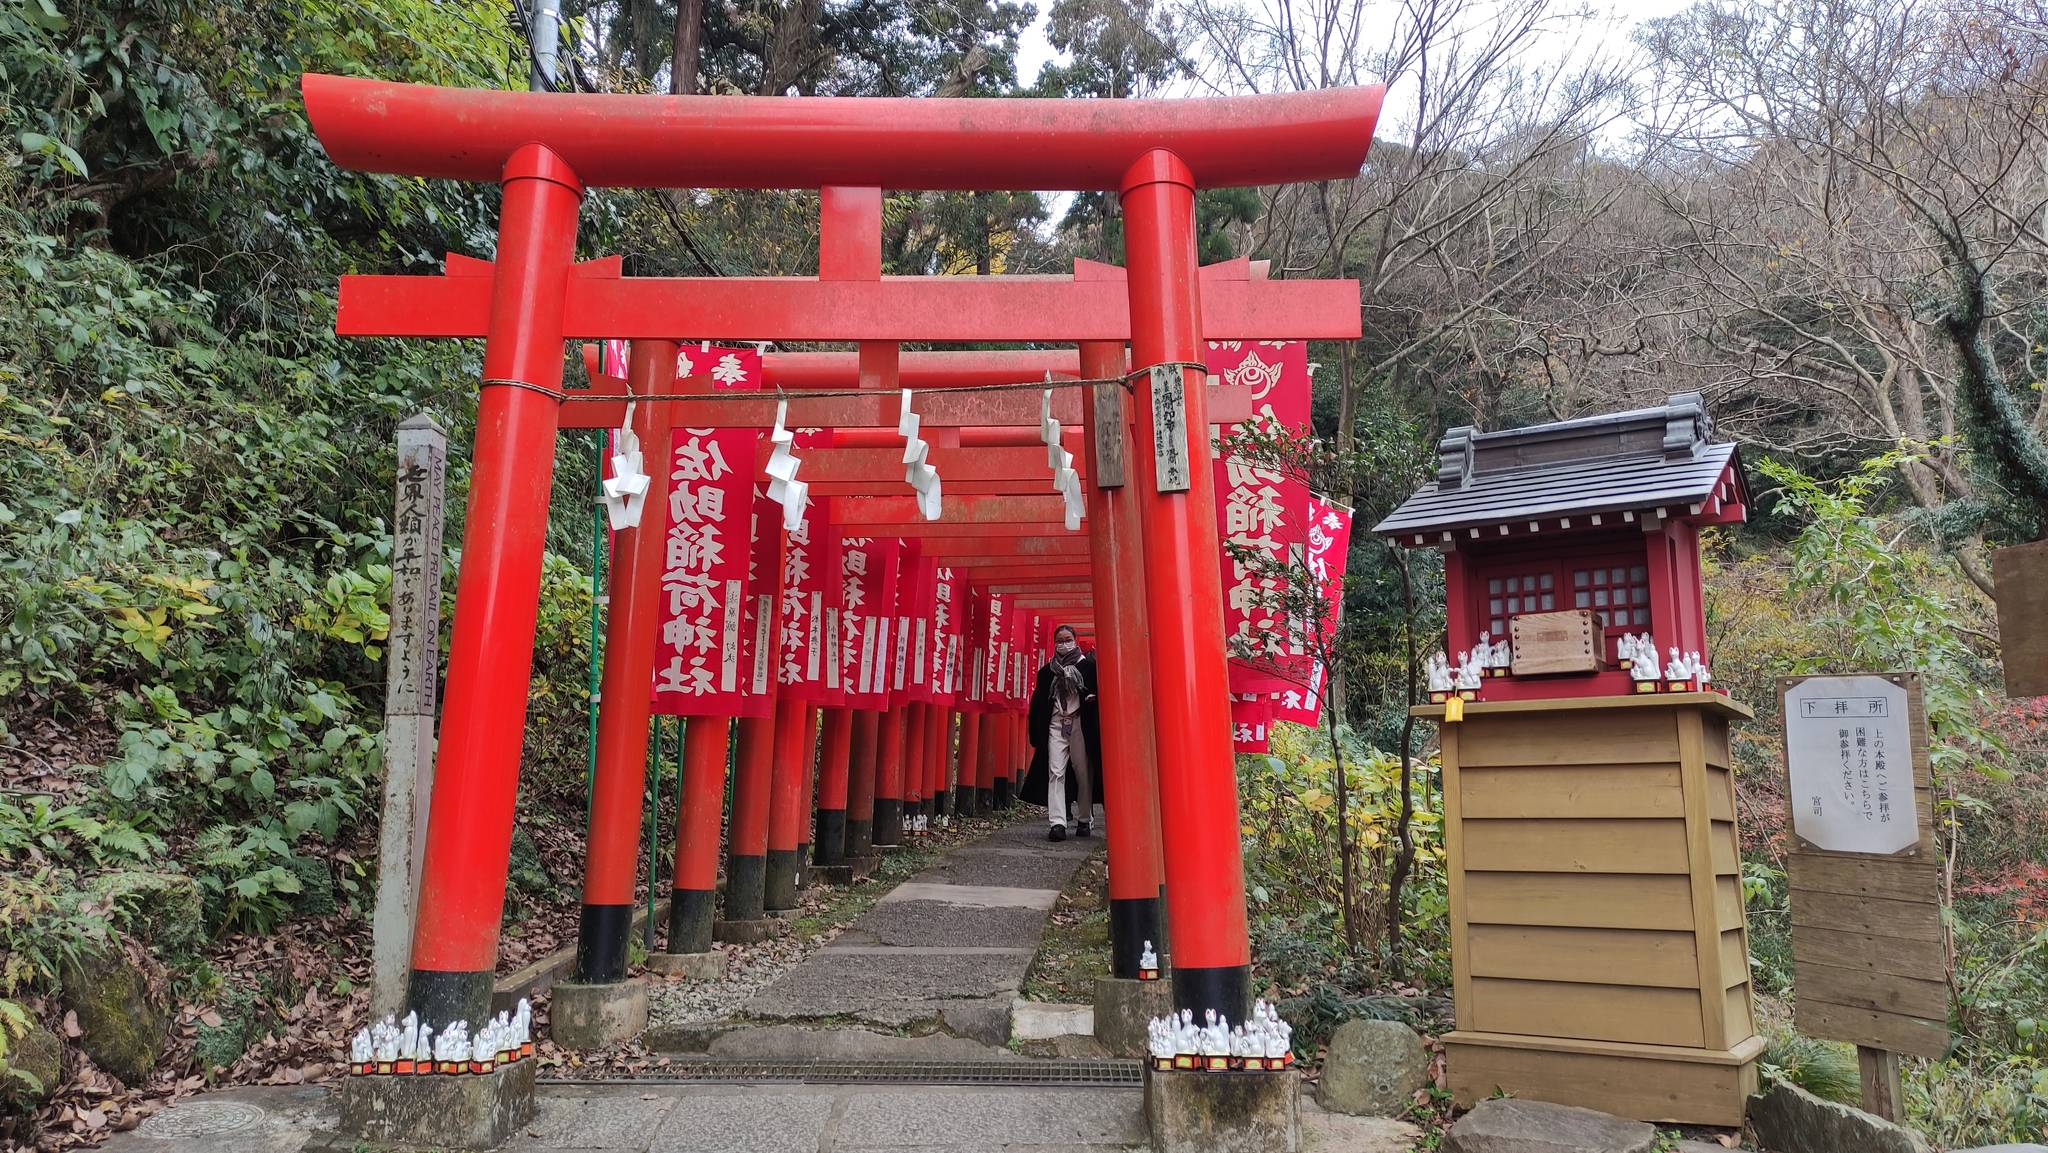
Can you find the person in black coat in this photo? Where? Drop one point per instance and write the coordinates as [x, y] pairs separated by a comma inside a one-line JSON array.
[[1066, 738]]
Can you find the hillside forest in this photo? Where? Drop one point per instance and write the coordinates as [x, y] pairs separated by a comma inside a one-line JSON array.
[[1830, 217]]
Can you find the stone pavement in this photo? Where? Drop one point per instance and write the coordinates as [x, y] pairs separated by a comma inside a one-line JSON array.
[[930, 971], [667, 1118], [944, 953]]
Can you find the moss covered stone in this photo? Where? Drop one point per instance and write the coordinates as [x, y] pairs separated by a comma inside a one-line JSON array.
[[120, 1007], [160, 909], [33, 1066]]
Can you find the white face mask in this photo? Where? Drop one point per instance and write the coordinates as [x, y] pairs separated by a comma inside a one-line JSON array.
[[1064, 647]]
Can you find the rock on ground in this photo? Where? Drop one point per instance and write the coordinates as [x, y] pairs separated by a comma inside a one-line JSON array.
[[1325, 1132], [121, 1011], [1791, 1120], [1510, 1126], [1373, 1068], [40, 1054]]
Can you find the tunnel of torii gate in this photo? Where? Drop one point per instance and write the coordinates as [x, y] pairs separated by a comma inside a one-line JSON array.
[[1143, 574]]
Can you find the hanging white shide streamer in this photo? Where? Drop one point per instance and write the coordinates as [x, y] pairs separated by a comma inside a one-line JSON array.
[[916, 472], [1065, 481], [783, 486], [625, 491]]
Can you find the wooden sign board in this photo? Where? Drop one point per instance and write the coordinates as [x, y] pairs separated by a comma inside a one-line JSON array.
[[2021, 575], [1870, 964], [1562, 642]]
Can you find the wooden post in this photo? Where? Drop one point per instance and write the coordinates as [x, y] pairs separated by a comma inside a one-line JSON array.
[[1881, 1092], [411, 668]]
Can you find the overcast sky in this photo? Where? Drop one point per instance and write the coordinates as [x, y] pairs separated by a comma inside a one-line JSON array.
[[1033, 51]]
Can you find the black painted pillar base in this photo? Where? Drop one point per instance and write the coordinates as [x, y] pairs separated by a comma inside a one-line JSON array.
[[440, 997], [964, 801], [1132, 922], [985, 800], [779, 891], [1224, 988], [939, 808], [1002, 792], [690, 915], [860, 838], [601, 943], [888, 828], [745, 886], [831, 846]]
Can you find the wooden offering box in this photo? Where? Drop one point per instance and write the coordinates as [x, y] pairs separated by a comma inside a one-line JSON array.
[[1598, 948]]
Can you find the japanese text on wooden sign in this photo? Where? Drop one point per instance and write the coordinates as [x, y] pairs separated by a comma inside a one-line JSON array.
[[1848, 753]]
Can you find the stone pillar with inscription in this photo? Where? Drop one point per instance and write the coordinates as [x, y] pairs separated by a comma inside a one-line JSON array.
[[411, 671]]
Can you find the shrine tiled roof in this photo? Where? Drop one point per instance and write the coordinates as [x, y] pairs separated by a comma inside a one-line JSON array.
[[1645, 459]]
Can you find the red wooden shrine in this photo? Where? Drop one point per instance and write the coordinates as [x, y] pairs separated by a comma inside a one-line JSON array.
[[1601, 513]]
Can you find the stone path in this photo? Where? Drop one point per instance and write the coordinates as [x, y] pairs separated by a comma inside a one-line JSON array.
[[743, 1119], [944, 953], [930, 971]]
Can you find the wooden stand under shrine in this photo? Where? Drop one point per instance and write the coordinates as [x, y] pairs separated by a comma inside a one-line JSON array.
[[1598, 949], [1599, 952]]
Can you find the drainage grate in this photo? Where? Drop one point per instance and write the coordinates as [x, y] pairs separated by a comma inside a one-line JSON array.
[[1023, 1071]]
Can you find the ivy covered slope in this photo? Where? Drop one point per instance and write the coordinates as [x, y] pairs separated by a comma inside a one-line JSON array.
[[194, 475]]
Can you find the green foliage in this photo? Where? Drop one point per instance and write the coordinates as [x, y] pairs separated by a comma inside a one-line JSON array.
[[45, 929], [1287, 807], [246, 875], [195, 472], [1826, 1069], [1881, 606], [1960, 1103]]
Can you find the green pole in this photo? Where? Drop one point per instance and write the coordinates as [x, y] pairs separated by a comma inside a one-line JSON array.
[[598, 600], [654, 825]]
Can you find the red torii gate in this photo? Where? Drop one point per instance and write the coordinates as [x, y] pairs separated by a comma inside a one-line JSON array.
[[545, 149]]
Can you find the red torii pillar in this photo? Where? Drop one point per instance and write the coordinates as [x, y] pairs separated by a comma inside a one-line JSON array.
[[617, 794], [1129, 772], [693, 891], [497, 595], [787, 807], [860, 783], [834, 770], [937, 761], [888, 823], [1198, 811]]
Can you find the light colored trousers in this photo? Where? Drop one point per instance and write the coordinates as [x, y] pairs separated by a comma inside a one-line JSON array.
[[1066, 751]]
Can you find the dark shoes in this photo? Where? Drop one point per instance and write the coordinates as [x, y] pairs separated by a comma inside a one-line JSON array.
[[1057, 834], [1084, 830]]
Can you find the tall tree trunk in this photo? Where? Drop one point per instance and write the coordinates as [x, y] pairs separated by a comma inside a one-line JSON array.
[[1347, 411], [1404, 834], [1346, 850], [682, 72], [1998, 428]]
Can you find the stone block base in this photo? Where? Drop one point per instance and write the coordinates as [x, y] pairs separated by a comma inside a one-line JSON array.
[[594, 1016], [439, 1110], [748, 932], [704, 966], [847, 871], [1124, 1007], [1201, 1112], [785, 917]]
